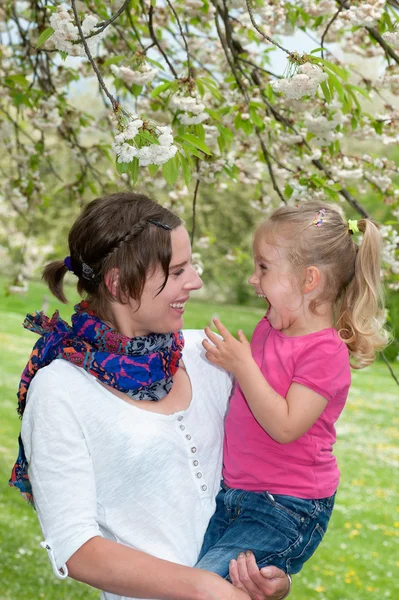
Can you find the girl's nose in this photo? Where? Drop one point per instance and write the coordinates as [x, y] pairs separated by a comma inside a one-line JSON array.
[[253, 280]]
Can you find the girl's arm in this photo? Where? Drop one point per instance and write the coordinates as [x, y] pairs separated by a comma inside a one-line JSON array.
[[284, 419]]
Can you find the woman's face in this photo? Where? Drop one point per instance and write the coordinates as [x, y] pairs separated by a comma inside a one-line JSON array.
[[163, 312]]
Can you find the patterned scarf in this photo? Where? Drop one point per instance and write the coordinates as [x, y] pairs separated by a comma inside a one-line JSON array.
[[141, 367]]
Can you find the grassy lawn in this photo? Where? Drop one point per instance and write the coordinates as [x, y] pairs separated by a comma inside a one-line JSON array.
[[359, 557]]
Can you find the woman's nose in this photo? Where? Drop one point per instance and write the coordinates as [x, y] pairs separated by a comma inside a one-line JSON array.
[[195, 281]]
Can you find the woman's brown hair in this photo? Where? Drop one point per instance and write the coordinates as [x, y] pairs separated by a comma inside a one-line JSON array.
[[126, 231], [351, 272]]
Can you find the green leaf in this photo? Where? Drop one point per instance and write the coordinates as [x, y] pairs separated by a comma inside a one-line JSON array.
[[317, 50], [154, 62], [146, 135], [288, 191], [189, 149], [332, 67], [122, 167], [196, 142], [161, 88], [170, 170], [19, 80], [134, 169], [136, 89], [64, 55], [326, 92], [114, 60], [255, 118], [185, 167], [337, 85], [208, 83], [44, 36], [199, 131], [153, 169], [360, 90]]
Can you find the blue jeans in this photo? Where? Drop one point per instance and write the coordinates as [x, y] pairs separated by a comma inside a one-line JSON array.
[[280, 530]]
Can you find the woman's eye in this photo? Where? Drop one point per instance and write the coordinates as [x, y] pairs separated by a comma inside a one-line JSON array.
[[177, 273], [263, 267]]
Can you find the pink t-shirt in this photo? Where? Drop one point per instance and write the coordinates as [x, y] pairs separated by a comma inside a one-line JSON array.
[[305, 468]]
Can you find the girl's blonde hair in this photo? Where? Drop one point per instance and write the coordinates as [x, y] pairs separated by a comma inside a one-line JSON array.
[[351, 273]]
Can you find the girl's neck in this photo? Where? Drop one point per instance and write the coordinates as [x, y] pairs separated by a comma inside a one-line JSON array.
[[310, 322]]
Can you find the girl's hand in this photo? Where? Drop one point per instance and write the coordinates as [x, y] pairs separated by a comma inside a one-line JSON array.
[[270, 582], [228, 353]]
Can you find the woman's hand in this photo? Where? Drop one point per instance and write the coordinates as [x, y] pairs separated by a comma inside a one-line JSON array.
[[267, 583], [228, 353]]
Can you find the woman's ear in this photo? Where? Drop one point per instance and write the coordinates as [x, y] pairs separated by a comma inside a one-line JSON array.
[[111, 280], [312, 279]]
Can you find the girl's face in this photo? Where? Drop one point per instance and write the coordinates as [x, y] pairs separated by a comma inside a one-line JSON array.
[[273, 280], [162, 312]]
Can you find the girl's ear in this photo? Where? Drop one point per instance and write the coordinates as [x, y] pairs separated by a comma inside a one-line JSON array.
[[312, 279], [112, 281]]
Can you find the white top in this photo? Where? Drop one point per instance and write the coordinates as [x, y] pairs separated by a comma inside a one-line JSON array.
[[101, 466]]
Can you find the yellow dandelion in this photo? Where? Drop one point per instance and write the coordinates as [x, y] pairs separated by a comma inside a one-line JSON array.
[[320, 588]]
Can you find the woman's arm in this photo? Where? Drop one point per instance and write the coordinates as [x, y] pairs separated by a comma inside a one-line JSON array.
[[120, 570]]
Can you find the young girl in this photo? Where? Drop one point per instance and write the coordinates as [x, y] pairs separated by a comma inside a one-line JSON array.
[[280, 475]]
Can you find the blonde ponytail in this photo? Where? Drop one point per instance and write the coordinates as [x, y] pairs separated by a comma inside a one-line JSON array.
[[361, 306]]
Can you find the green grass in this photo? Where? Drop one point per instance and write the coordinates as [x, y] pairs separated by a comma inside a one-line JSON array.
[[359, 557]]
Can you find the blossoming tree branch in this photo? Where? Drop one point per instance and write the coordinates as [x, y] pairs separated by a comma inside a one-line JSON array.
[[192, 98]]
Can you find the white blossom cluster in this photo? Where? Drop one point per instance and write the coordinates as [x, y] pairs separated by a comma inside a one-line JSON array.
[[304, 83], [321, 8], [65, 32], [143, 75], [193, 7], [177, 195], [153, 154], [392, 38], [365, 13], [191, 106], [46, 115], [324, 129]]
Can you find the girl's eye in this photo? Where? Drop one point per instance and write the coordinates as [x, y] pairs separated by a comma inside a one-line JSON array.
[[177, 273]]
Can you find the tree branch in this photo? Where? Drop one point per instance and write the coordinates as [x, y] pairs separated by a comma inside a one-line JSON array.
[[114, 103], [190, 74]]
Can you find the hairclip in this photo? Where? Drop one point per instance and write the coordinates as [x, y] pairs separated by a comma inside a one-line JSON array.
[[87, 272], [352, 226], [319, 217], [68, 263], [158, 224]]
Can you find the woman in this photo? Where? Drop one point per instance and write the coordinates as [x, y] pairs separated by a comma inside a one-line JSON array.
[[123, 435]]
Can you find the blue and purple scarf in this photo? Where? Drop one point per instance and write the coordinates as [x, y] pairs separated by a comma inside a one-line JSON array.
[[141, 367]]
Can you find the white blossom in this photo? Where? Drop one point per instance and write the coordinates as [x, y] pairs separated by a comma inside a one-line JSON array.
[[365, 13], [392, 38], [185, 119], [304, 83], [143, 75], [189, 104], [65, 32]]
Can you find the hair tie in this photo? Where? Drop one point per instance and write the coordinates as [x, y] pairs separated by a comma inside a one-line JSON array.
[[158, 224], [319, 217], [352, 226], [68, 263]]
